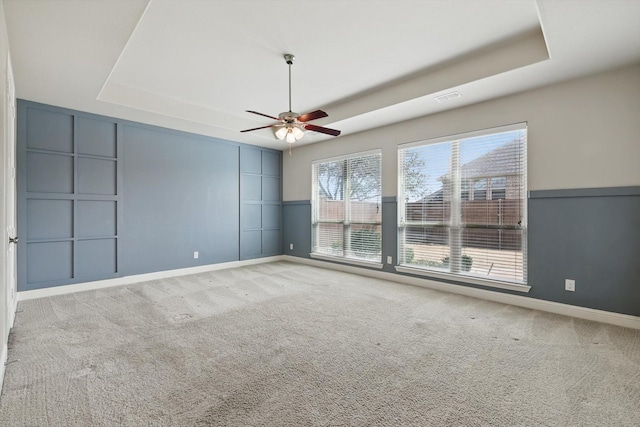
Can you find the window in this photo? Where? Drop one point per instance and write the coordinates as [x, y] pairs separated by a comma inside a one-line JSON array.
[[462, 205], [480, 189], [498, 187], [347, 208], [487, 188]]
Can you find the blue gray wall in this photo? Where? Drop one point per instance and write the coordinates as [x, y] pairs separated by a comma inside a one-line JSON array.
[[296, 219], [101, 198], [590, 235], [261, 202]]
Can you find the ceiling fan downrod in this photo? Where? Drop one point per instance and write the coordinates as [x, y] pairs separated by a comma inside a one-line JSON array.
[[289, 58]]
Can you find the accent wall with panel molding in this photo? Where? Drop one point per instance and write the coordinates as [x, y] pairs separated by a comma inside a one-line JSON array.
[[101, 198]]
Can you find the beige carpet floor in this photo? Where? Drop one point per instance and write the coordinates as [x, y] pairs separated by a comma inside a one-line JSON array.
[[282, 344]]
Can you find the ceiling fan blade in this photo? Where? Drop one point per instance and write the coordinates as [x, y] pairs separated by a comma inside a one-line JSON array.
[[261, 127], [321, 129], [318, 114], [264, 115]]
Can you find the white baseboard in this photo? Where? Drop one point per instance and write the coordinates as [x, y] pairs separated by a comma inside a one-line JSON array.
[[617, 319], [3, 362], [12, 311], [611, 318], [12, 306], [128, 280]]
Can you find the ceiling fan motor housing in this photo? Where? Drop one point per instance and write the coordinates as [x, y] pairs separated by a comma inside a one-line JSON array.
[[289, 116]]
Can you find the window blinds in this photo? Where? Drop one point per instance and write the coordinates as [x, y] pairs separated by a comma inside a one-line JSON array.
[[462, 205], [347, 208]]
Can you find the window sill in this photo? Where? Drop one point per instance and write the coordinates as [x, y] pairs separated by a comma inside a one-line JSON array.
[[463, 279], [351, 261]]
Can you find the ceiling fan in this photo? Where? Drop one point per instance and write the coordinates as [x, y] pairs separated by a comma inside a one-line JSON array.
[[292, 125]]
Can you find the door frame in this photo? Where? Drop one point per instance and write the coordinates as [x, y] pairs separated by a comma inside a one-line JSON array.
[[10, 195]]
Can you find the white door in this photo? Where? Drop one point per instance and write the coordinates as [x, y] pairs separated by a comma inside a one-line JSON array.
[[10, 195]]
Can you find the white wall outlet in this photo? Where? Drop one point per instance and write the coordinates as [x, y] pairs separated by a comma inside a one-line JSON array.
[[195, 255], [389, 259], [290, 246], [569, 285]]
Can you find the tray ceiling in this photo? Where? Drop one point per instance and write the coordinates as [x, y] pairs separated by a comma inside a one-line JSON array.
[[198, 65]]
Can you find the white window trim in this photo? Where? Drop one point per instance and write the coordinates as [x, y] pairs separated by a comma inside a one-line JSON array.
[[462, 278], [346, 260], [457, 277], [351, 261], [347, 156], [465, 135]]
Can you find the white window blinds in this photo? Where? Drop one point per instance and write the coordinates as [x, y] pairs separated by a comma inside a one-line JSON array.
[[347, 208], [462, 204]]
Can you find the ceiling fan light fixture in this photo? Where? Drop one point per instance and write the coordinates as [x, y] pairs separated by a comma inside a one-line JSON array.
[[281, 133], [291, 133], [297, 133], [290, 137]]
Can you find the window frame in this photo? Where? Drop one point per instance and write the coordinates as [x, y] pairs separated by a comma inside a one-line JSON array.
[[451, 223], [347, 222]]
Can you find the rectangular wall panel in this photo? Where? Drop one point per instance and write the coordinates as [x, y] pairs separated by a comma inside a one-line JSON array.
[[49, 130], [49, 219], [96, 176], [49, 262], [96, 137], [271, 216], [251, 243], [49, 173], [251, 187], [252, 216], [67, 191], [96, 257], [271, 242], [251, 161], [271, 188], [261, 202], [96, 218], [271, 163]]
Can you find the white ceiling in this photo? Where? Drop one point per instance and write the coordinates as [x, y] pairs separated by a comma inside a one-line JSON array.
[[197, 65]]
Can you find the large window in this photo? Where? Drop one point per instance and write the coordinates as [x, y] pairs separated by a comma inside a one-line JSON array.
[[347, 208], [463, 207]]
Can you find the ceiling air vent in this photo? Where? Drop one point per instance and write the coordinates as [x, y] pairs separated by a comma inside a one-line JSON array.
[[448, 96]]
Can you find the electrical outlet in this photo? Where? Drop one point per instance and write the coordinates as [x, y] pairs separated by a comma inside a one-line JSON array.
[[389, 259], [569, 285], [290, 246], [195, 255]]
